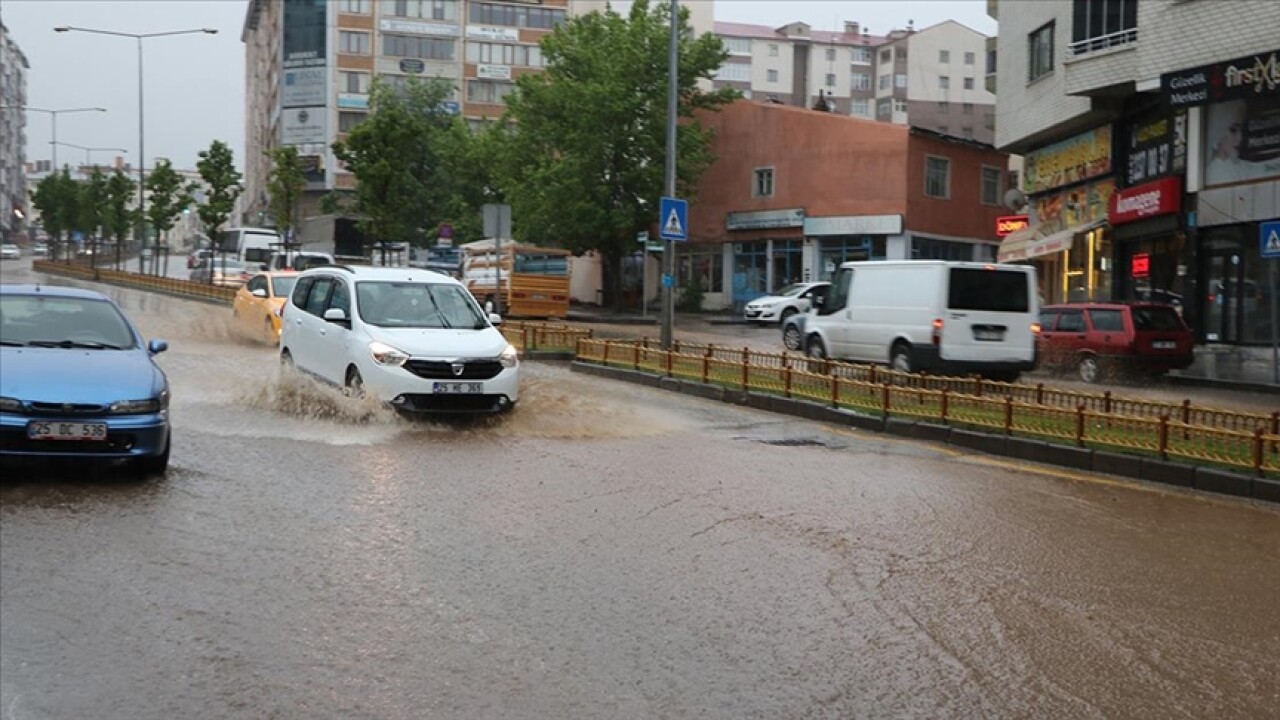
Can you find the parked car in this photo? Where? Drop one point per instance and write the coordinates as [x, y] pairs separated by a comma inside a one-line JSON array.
[[225, 272], [77, 380], [197, 258], [9, 251], [1098, 339], [793, 326], [412, 338], [40, 249], [781, 305], [259, 302]]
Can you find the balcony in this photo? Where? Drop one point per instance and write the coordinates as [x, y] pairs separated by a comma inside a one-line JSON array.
[[1103, 42], [1102, 66]]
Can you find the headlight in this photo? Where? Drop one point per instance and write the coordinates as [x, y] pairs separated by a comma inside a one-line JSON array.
[[10, 405], [509, 357], [136, 407], [384, 354]]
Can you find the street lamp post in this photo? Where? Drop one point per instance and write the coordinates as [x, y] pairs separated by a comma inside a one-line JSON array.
[[88, 150], [54, 115], [142, 156]]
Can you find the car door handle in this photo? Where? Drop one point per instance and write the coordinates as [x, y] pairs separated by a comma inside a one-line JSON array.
[[298, 322], [323, 332]]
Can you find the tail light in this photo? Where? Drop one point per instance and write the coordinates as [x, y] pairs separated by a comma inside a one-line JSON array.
[[1035, 328], [937, 332]]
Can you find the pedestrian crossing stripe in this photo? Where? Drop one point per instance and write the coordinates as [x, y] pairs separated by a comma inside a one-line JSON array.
[[673, 227], [1273, 243]]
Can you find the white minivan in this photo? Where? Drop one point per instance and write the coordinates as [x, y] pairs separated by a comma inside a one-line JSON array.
[[930, 315]]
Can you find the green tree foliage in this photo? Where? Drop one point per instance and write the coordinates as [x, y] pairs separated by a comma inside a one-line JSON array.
[[57, 197], [169, 196], [118, 218], [285, 186], [584, 167], [402, 156], [92, 210], [222, 186]]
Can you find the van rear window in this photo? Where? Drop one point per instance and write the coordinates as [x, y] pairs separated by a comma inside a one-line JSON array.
[[257, 255], [989, 290]]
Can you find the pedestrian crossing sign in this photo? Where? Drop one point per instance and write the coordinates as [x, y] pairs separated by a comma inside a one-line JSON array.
[[1271, 239], [673, 219]]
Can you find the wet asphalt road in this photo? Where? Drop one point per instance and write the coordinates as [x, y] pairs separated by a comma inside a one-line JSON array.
[[608, 551]]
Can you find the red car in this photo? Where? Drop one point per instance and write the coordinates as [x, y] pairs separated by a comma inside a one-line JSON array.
[[1097, 339]]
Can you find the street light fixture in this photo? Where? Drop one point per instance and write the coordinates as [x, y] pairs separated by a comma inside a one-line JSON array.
[[88, 150], [142, 156], [53, 114]]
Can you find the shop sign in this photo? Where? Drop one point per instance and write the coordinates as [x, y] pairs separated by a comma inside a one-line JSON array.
[[410, 27], [351, 101], [1140, 266], [305, 25], [303, 86], [304, 126], [493, 72], [1078, 206], [1156, 146], [484, 32], [1243, 141], [854, 225], [1087, 155], [764, 219], [1010, 224], [1249, 76], [1161, 197]]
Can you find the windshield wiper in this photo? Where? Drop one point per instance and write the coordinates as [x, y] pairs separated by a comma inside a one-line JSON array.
[[68, 344], [13, 343], [439, 312]]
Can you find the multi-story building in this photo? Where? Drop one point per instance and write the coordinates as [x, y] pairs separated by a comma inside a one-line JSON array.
[[13, 136], [310, 64], [1149, 131], [932, 78], [772, 210]]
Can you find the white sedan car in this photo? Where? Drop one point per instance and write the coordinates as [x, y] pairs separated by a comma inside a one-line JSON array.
[[8, 251], [788, 301]]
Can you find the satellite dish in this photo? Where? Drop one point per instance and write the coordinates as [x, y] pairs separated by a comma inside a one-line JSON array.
[[1015, 200]]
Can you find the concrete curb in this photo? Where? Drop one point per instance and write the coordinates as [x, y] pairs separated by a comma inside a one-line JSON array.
[[1206, 479]]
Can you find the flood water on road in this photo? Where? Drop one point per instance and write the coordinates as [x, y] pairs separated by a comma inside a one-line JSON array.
[[607, 551]]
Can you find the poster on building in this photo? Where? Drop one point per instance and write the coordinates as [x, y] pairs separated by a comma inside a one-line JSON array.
[[1078, 206], [1242, 141], [304, 126], [1078, 158], [1154, 146], [304, 33], [303, 87]]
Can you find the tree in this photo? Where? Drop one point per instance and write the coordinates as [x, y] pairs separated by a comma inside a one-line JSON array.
[[118, 218], [92, 211], [222, 186], [57, 198], [584, 166], [285, 185], [169, 196], [399, 155]]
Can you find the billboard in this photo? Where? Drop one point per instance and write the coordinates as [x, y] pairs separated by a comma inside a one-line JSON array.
[[303, 87], [304, 33], [1153, 146], [1242, 141], [304, 126], [1077, 158], [1249, 76]]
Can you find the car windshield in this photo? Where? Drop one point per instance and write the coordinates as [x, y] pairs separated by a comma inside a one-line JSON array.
[[791, 290], [418, 305], [283, 286], [50, 321]]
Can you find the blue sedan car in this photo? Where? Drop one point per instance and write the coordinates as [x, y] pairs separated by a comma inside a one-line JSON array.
[[76, 380]]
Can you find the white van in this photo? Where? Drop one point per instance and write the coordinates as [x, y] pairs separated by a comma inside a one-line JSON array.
[[930, 315], [251, 246]]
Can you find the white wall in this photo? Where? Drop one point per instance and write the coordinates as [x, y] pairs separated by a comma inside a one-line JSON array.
[[924, 67]]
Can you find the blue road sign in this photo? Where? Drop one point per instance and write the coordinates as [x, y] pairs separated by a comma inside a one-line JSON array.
[[1270, 239], [673, 219], [668, 281]]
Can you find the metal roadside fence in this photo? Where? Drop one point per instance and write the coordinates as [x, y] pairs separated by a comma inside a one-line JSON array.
[[166, 285]]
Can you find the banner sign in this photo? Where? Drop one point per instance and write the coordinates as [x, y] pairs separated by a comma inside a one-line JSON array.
[[1161, 197], [1087, 155], [1249, 76], [1155, 146]]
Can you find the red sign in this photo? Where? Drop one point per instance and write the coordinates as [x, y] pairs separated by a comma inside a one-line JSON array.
[[1010, 224], [1161, 197], [1140, 266]]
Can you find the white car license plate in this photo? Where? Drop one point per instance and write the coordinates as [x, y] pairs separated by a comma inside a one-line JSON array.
[[1164, 345], [988, 335], [91, 432], [458, 388]]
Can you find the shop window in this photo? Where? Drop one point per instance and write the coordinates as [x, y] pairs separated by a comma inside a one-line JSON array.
[[788, 265], [925, 248], [749, 267], [704, 263], [834, 251]]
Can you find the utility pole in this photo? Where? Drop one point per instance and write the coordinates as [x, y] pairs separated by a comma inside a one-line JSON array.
[[668, 246]]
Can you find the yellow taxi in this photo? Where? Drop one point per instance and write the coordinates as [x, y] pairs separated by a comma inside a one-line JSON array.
[[258, 304]]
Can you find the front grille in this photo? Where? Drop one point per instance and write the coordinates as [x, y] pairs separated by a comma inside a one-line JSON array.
[[16, 440], [443, 370], [420, 402], [78, 409]]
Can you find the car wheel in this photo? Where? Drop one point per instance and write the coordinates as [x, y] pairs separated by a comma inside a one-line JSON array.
[[786, 315], [791, 337], [355, 383], [153, 465], [900, 357], [816, 349], [1088, 369], [286, 359]]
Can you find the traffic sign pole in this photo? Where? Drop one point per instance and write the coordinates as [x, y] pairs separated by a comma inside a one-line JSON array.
[[669, 255], [1269, 235]]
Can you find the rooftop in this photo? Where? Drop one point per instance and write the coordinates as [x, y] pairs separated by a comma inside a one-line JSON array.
[[824, 37]]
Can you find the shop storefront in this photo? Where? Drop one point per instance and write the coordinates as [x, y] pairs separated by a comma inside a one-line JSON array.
[[1150, 243], [835, 240], [769, 255]]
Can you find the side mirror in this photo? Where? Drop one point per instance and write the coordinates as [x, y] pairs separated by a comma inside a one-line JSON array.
[[260, 293], [495, 318], [155, 347], [335, 315], [264, 266]]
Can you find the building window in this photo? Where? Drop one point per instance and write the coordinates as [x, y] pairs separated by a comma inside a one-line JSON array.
[[348, 120], [831, 80], [969, 58], [526, 17], [900, 80], [1100, 24], [734, 72], [737, 46], [885, 82], [989, 122], [412, 46], [859, 107], [355, 7], [425, 9], [944, 56], [1040, 53], [479, 91], [860, 81], [704, 263], [925, 248], [353, 43], [968, 108], [991, 184], [498, 54], [886, 55], [353, 82], [831, 54], [937, 176], [771, 76], [991, 61], [763, 183], [944, 82], [900, 106], [884, 109], [773, 50], [902, 54], [944, 107], [862, 56], [968, 83]]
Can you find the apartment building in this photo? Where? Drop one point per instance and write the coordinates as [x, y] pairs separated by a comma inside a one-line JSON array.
[[13, 137], [1149, 135], [310, 64], [932, 78]]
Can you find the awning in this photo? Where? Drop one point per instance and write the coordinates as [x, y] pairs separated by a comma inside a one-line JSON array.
[[1030, 243]]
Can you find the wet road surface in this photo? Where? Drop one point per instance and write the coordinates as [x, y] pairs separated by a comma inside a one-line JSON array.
[[607, 551]]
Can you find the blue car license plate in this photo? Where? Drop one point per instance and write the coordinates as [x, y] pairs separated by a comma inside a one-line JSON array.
[[81, 431], [458, 388]]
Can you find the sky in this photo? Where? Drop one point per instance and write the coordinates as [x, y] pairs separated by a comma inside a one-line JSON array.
[[194, 84]]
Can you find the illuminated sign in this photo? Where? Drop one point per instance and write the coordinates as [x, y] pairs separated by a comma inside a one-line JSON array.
[[1140, 266], [1010, 224]]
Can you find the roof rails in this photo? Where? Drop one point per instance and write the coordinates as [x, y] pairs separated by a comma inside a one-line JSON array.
[[348, 268]]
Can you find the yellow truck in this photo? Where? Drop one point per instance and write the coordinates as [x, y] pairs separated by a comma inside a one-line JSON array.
[[535, 280]]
